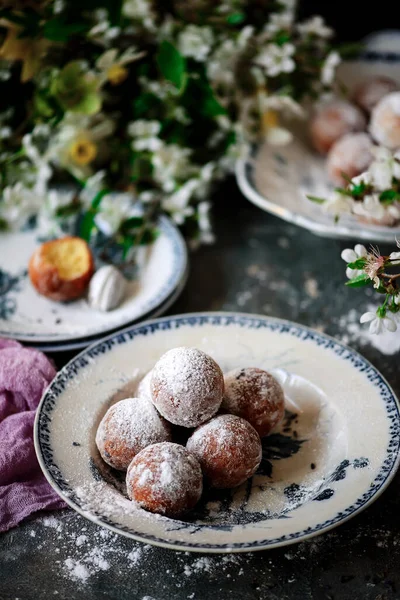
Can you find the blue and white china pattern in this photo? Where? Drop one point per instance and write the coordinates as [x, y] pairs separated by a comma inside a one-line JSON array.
[[335, 452], [27, 316]]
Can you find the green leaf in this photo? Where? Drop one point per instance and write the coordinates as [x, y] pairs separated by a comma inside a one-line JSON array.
[[172, 64], [389, 196], [3, 225], [316, 199], [357, 264], [87, 224], [282, 38], [131, 223], [68, 210], [359, 281], [235, 18], [57, 30], [211, 106], [149, 236]]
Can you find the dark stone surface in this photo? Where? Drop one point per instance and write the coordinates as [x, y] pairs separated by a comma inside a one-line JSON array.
[[259, 265]]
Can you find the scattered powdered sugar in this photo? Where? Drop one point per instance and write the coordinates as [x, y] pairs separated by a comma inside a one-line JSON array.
[[351, 330], [187, 386], [311, 288], [77, 570], [133, 423]]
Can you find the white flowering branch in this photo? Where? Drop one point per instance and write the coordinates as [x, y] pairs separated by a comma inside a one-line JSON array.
[[370, 268]]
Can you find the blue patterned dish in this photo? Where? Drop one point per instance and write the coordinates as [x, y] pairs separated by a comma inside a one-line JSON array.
[[335, 452], [27, 316]]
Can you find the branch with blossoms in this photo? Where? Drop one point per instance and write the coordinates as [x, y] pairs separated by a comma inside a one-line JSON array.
[[371, 268], [138, 107], [373, 196]]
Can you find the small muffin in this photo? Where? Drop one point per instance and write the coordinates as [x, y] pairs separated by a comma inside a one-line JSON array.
[[370, 92], [187, 386], [61, 269], [127, 427], [256, 396], [228, 449], [385, 121], [351, 155], [165, 479], [332, 121]]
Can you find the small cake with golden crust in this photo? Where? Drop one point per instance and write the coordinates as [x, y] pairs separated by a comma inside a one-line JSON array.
[[61, 269], [332, 121], [350, 156], [187, 386], [370, 92], [228, 449], [127, 427], [165, 479], [254, 395], [385, 121]]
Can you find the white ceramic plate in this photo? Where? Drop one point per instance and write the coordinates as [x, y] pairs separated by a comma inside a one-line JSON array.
[[85, 342], [27, 316], [278, 179], [336, 451]]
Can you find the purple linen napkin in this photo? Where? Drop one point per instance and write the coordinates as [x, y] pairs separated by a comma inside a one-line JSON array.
[[24, 375]]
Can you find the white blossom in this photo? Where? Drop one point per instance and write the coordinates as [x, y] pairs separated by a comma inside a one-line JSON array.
[[43, 171], [18, 205], [315, 26], [278, 21], [350, 256], [284, 104], [145, 134], [378, 324], [278, 136], [170, 162], [113, 211], [395, 257], [328, 70], [196, 42], [370, 207], [177, 204], [93, 185], [110, 60], [137, 9], [76, 128], [338, 203], [277, 59], [203, 219]]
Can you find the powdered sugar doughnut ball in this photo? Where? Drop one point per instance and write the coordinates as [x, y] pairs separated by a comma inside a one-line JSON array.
[[351, 155], [165, 479], [127, 427], [385, 121], [144, 389], [187, 386], [256, 396], [370, 92], [228, 449], [332, 121]]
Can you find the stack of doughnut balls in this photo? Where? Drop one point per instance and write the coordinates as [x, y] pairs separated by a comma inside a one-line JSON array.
[[187, 397], [346, 130]]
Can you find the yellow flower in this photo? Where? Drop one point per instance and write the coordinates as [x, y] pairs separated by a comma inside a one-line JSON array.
[[28, 50], [117, 74], [270, 119], [82, 151]]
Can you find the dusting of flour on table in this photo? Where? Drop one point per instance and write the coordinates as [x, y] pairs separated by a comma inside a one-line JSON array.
[[351, 330]]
